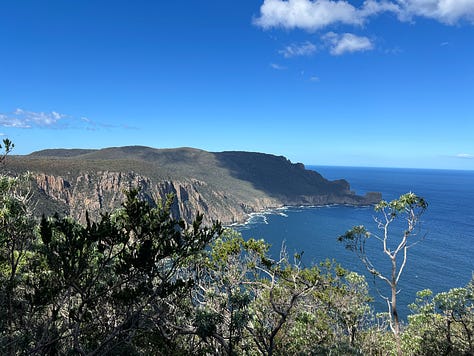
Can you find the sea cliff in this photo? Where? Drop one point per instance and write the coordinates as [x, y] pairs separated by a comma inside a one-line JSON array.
[[225, 186]]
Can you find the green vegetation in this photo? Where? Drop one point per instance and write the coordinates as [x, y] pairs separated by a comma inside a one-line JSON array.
[[138, 282], [231, 184], [7, 147], [408, 208]]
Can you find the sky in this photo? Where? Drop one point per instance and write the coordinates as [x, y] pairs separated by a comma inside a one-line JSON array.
[[382, 83]]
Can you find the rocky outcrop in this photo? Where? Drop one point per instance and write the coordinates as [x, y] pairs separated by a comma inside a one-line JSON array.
[[99, 192], [224, 186]]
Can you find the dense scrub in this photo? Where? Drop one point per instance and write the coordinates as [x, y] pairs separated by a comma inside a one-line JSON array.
[[137, 281]]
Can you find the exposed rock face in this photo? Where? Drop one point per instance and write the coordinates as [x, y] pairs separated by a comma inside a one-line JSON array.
[[224, 186], [104, 191]]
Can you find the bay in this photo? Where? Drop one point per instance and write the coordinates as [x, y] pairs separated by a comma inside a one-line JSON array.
[[442, 260]]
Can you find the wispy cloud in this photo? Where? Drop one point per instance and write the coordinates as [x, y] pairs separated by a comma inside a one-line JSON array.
[[312, 15], [393, 50], [25, 119], [465, 156], [302, 49], [347, 42], [446, 11], [277, 66]]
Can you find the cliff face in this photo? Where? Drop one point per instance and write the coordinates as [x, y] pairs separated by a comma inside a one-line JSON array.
[[224, 186], [103, 191]]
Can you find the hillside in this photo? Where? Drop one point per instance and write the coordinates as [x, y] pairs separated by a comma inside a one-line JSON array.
[[225, 186]]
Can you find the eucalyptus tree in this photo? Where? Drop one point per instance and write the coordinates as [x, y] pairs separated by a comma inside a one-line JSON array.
[[245, 302], [442, 324], [223, 293], [408, 208], [286, 305]]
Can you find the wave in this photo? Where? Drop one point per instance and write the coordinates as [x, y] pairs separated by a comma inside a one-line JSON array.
[[261, 217]]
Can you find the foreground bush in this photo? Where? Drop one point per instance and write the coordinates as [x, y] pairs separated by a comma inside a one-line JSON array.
[[139, 282]]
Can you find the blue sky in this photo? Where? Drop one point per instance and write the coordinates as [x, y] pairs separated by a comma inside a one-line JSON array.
[[329, 82]]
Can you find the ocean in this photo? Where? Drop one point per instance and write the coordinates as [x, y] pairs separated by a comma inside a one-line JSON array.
[[443, 259]]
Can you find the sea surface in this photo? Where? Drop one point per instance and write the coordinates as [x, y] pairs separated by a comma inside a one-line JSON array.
[[443, 259]]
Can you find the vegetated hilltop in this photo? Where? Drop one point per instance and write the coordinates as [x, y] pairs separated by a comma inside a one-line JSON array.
[[225, 186]]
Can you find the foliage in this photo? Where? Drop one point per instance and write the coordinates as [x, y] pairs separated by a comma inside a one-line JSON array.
[[7, 148], [408, 208], [443, 324], [139, 282], [16, 238], [99, 288], [256, 305]]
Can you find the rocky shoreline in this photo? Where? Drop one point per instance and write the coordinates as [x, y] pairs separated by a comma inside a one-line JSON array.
[[226, 186], [99, 192]]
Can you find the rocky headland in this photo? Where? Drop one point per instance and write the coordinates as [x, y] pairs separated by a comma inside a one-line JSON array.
[[224, 186]]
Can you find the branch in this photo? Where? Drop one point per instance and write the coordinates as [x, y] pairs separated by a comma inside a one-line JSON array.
[[403, 264]]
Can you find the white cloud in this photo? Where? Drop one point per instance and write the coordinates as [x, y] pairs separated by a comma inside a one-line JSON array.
[[316, 14], [277, 66], [8, 121], [312, 15], [347, 42], [446, 11], [302, 49], [305, 14], [54, 120], [465, 155], [375, 7], [314, 79], [26, 119]]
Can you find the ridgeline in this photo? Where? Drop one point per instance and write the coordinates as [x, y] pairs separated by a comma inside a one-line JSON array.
[[225, 186]]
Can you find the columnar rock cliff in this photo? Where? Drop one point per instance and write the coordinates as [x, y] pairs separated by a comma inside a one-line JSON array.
[[223, 186], [103, 191]]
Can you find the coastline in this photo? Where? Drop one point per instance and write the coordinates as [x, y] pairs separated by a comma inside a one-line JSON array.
[[280, 211]]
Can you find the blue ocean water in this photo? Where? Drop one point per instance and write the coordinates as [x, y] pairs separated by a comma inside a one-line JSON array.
[[442, 260]]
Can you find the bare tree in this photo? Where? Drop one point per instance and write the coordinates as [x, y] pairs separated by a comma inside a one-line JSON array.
[[408, 208]]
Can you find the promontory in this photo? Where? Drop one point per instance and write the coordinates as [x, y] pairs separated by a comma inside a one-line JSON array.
[[224, 186]]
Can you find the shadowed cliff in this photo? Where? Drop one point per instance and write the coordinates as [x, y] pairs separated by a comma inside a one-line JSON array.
[[225, 186]]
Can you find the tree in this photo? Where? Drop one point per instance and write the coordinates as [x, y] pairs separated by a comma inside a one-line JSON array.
[[7, 147], [16, 238], [407, 208], [289, 314], [222, 294], [457, 309], [100, 288], [138, 281], [244, 302], [443, 324]]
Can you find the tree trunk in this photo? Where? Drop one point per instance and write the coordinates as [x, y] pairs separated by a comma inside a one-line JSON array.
[[449, 348], [396, 320]]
